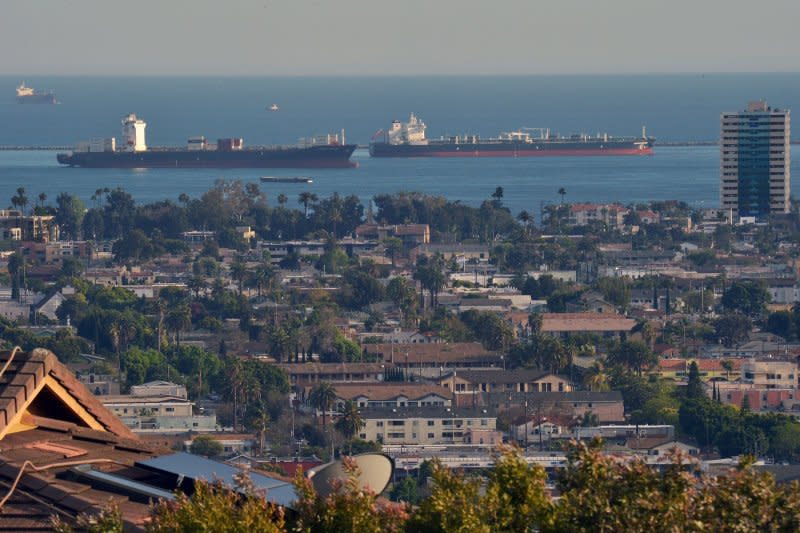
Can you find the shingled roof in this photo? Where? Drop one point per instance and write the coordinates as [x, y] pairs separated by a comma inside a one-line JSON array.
[[35, 384], [49, 424]]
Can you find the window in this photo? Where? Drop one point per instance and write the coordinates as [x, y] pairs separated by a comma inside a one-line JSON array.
[[169, 409], [431, 435], [484, 422], [430, 423], [379, 423], [397, 435]]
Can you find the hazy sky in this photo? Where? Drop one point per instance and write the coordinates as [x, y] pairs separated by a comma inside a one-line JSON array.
[[323, 37]]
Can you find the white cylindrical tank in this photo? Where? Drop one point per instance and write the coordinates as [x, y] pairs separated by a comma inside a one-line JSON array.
[[133, 134]]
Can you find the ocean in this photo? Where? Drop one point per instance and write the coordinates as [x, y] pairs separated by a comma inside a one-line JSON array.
[[674, 108]]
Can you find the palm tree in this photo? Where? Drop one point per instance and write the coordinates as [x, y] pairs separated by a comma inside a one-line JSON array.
[[234, 377], [282, 199], [261, 424], [305, 199], [322, 397], [20, 199], [42, 198], [177, 320], [562, 192], [596, 378], [727, 365], [239, 272], [196, 284], [525, 218], [350, 422], [335, 218]]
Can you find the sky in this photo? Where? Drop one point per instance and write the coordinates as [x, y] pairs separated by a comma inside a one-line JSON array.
[[397, 37]]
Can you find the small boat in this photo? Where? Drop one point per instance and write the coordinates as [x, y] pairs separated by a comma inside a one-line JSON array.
[[290, 179], [274, 107]]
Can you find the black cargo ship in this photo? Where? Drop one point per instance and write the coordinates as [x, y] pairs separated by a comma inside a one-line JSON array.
[[408, 140], [322, 152]]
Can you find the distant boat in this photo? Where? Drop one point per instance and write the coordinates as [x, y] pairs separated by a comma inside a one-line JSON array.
[[274, 107], [290, 179], [27, 95]]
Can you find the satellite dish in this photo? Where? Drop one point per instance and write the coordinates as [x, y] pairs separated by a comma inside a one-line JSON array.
[[374, 471]]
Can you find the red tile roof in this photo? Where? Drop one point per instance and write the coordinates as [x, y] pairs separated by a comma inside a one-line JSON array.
[[573, 322]]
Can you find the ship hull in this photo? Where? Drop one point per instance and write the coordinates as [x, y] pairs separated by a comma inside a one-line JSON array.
[[541, 149], [329, 156], [37, 99]]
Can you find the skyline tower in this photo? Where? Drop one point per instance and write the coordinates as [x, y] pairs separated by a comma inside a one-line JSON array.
[[755, 156]]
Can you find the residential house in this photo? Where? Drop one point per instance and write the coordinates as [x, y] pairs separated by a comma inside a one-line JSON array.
[[468, 382], [410, 234], [605, 324], [303, 374], [583, 214], [432, 360], [159, 407], [430, 425], [390, 394], [606, 406], [461, 253]]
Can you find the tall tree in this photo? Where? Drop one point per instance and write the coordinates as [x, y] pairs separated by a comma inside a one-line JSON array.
[[69, 214], [322, 398], [350, 421], [694, 386], [307, 198]]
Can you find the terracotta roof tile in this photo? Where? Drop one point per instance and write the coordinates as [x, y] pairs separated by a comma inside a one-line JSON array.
[[565, 322], [389, 391], [432, 352]]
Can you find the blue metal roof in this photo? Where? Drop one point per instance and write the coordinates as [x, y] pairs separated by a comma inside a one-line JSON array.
[[195, 467]]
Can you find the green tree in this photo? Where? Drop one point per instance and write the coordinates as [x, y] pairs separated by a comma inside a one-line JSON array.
[[307, 198], [350, 421], [70, 211], [595, 377], [351, 509], [732, 328], [206, 446], [430, 273], [215, 507], [694, 387], [747, 297], [405, 491], [634, 355], [322, 398]]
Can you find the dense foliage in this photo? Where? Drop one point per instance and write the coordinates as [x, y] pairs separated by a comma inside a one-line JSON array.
[[599, 493]]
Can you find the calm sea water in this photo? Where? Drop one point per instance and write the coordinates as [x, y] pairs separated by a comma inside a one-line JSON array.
[[673, 107]]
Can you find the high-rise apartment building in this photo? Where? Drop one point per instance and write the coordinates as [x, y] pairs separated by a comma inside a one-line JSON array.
[[754, 161]]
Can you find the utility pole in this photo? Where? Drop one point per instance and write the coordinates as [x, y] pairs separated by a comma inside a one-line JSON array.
[[539, 417]]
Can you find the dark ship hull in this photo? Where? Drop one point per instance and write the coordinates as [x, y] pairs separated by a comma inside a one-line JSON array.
[[539, 148], [325, 156], [46, 98]]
